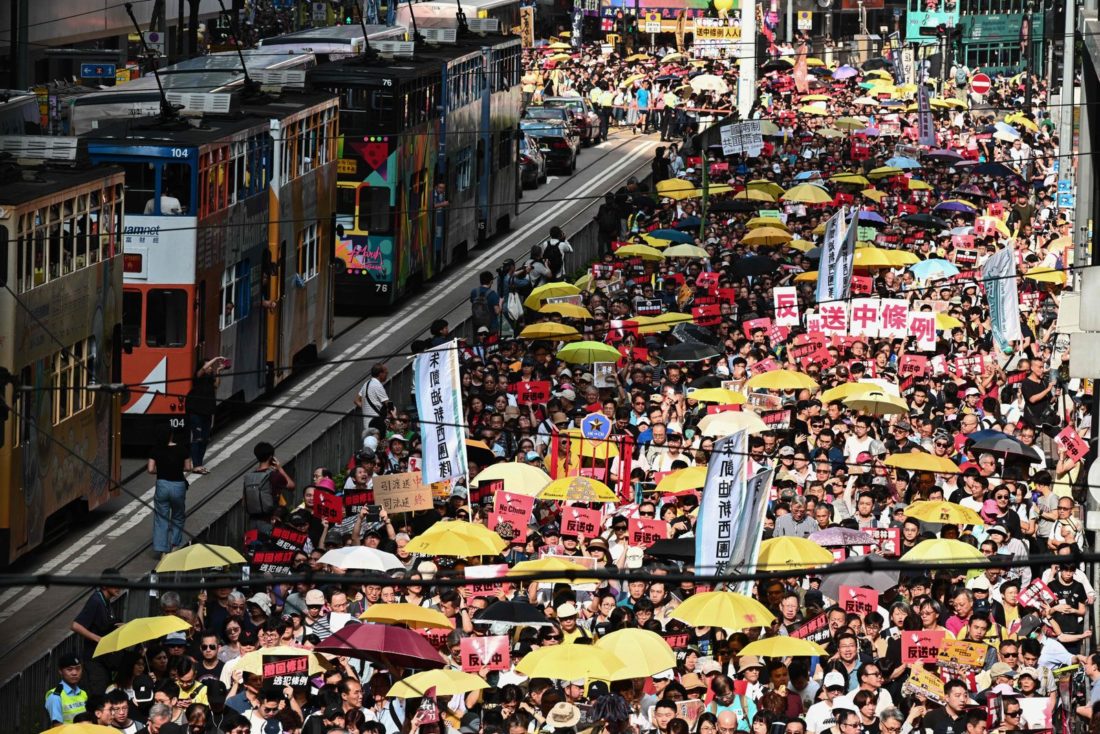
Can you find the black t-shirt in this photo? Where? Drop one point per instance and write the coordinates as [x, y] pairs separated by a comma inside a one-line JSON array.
[[1034, 412], [96, 617], [940, 722], [170, 461], [201, 400], [1074, 595]]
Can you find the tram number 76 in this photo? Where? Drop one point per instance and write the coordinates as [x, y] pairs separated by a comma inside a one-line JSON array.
[[381, 287]]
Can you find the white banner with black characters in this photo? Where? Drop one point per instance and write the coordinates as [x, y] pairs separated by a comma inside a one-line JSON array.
[[439, 404]]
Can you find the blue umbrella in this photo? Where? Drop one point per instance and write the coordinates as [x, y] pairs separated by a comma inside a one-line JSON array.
[[900, 161], [955, 206], [995, 169], [934, 268], [807, 175], [1005, 128], [672, 235], [845, 72], [873, 217], [688, 223], [943, 155]]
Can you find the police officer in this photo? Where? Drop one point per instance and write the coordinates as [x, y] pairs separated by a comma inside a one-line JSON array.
[[66, 700]]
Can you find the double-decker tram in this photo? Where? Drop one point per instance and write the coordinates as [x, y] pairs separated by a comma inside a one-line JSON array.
[[228, 219], [433, 121], [60, 337]]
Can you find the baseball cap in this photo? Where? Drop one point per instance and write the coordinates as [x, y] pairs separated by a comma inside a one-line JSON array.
[[835, 680], [663, 675], [634, 557], [483, 330], [708, 665], [786, 451], [971, 391], [1001, 669], [998, 529], [428, 570], [1030, 671], [315, 597], [979, 583], [175, 639]]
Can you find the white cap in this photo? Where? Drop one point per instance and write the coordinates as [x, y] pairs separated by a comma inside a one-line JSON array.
[[835, 680]]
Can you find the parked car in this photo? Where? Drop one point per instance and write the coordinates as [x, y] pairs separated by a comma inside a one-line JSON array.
[[553, 114], [532, 162], [556, 141], [585, 120]]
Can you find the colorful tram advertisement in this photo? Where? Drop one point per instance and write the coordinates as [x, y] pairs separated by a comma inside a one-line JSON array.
[[428, 161], [60, 343], [225, 246]]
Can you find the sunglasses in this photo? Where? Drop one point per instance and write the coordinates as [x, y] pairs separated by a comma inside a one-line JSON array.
[[646, 514], [209, 647]]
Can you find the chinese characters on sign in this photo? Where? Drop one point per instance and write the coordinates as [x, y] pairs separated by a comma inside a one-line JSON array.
[[439, 403]]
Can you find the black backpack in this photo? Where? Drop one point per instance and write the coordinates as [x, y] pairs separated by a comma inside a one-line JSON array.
[[259, 499], [480, 312], [554, 260]]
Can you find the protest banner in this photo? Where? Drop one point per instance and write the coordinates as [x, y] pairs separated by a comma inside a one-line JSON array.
[[924, 683], [646, 531], [921, 646], [814, 630], [273, 562], [482, 576], [355, 500], [438, 390], [786, 306], [963, 653], [580, 521], [281, 671], [402, 492], [857, 599], [534, 392], [327, 506], [491, 652], [287, 538]]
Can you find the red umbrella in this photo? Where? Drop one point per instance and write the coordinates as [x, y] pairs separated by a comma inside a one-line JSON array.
[[393, 647]]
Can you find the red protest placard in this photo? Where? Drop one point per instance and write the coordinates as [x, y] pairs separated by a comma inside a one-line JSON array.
[[765, 365], [921, 646], [327, 506], [888, 540], [1037, 591], [645, 531], [485, 652], [511, 503], [913, 364], [535, 392], [288, 538], [726, 295], [753, 324], [857, 599], [707, 315], [1076, 447], [283, 671], [706, 280], [482, 577], [508, 527], [712, 409], [861, 284], [580, 521]]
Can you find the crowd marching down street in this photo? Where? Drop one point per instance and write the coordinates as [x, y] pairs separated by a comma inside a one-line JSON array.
[[801, 454]]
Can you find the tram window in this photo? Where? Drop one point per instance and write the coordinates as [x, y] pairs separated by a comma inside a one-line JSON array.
[[506, 146], [166, 318], [131, 317], [374, 210], [176, 182], [307, 251], [3, 255], [141, 186]]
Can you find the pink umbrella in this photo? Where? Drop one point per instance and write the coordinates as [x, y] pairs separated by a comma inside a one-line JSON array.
[[393, 647]]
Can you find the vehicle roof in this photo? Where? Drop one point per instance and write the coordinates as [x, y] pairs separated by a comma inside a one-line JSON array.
[[428, 60], [49, 181]]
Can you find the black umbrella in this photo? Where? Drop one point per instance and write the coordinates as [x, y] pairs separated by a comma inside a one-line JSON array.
[[995, 169], [925, 221], [876, 63], [777, 65], [1008, 446], [694, 333], [734, 205], [942, 156], [687, 224], [673, 548], [688, 352], [514, 613], [859, 575], [755, 265]]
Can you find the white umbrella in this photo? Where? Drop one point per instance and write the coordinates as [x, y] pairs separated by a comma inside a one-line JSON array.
[[709, 83], [362, 558]]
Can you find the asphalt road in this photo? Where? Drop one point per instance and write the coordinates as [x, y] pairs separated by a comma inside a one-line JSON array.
[[119, 534]]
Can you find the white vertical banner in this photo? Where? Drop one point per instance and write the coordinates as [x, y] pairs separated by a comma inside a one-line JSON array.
[[922, 327], [722, 513], [834, 276], [786, 306], [1001, 288], [926, 127], [439, 405], [757, 490]]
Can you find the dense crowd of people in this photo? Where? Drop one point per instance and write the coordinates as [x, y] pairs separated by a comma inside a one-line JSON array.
[[944, 648]]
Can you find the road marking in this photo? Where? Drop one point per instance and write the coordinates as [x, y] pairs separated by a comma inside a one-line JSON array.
[[123, 522]]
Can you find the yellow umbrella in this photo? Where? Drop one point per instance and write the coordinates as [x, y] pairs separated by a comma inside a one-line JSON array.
[[518, 478], [809, 276], [943, 550], [790, 551], [602, 450], [648, 325], [731, 421], [568, 310], [445, 681], [578, 489], [763, 184], [412, 616], [812, 109], [800, 245], [872, 257], [783, 646], [816, 98], [848, 389], [253, 662], [673, 184], [630, 80], [850, 123], [560, 47], [884, 171], [829, 133], [549, 290], [137, 631], [878, 74], [644, 651], [954, 102], [873, 195], [944, 322], [781, 380], [693, 251], [722, 609], [850, 178], [560, 57], [584, 281], [1018, 118], [814, 61], [570, 662], [937, 102], [83, 727], [919, 461], [995, 222], [457, 538], [549, 564], [755, 195], [756, 222], [901, 258], [877, 403], [915, 184], [1046, 275], [658, 242], [643, 251], [587, 352], [819, 229], [939, 511], [680, 480], [719, 395], [638, 57], [550, 330], [672, 317], [712, 190], [1060, 244], [767, 236], [674, 56], [199, 556], [808, 194]]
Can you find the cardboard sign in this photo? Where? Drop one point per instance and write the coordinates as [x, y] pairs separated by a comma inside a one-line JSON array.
[[327, 506], [814, 630], [648, 306], [402, 492], [893, 318], [512, 504], [280, 671], [646, 531], [913, 364], [580, 521], [483, 587], [1037, 591], [921, 646], [707, 315], [888, 540], [857, 599], [959, 652], [273, 562], [1076, 448], [923, 683], [922, 328], [676, 640], [765, 365], [536, 392], [287, 538], [753, 324], [485, 652], [706, 280], [864, 317]]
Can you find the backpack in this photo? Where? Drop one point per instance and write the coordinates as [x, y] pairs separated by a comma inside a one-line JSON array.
[[258, 497], [554, 260], [479, 307]]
